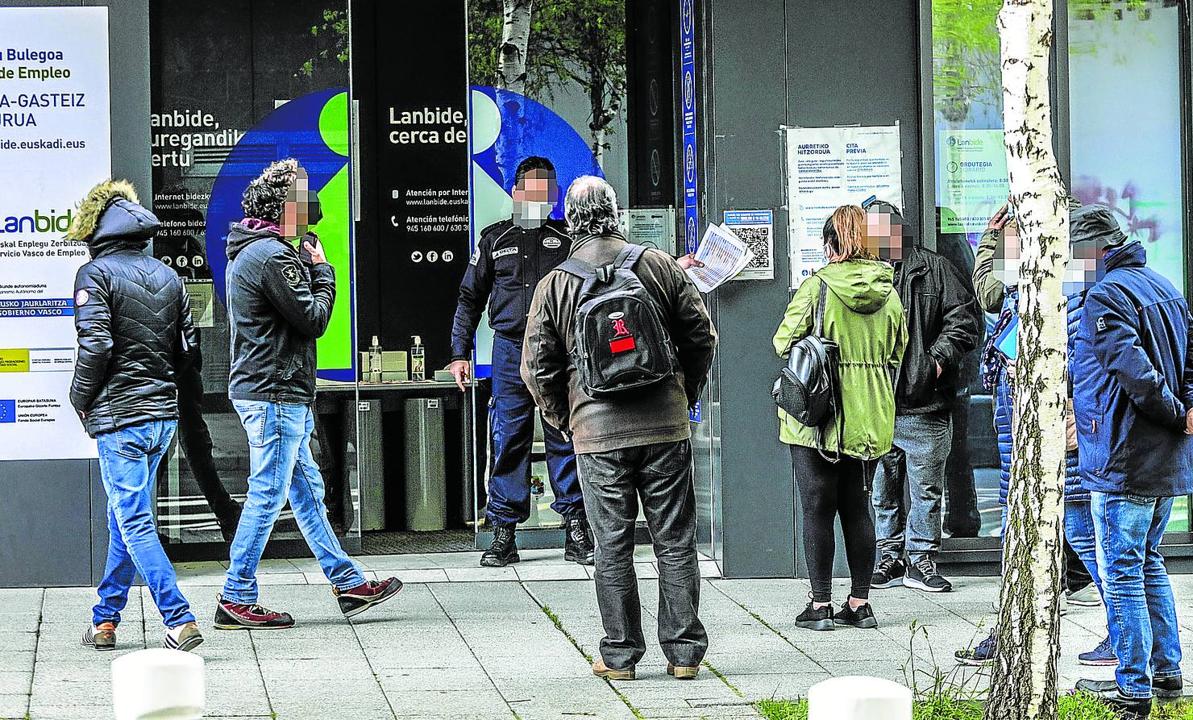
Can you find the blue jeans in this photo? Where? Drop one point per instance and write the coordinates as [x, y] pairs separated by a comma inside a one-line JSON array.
[[1140, 609], [281, 467], [916, 462], [512, 423], [128, 462], [1079, 531]]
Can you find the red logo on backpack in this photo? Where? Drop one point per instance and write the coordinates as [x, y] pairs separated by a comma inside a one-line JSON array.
[[622, 340]]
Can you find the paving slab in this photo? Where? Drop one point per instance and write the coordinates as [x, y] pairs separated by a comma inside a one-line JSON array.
[[468, 642]]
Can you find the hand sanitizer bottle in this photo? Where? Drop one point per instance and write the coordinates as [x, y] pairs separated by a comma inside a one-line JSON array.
[[418, 370], [375, 361]]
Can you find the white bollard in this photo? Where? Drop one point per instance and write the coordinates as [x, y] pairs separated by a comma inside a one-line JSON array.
[[159, 684], [859, 698]]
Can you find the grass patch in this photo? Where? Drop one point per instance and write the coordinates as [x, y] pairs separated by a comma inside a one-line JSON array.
[[559, 626], [1072, 707]]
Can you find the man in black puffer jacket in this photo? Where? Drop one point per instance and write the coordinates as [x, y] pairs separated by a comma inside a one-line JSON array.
[[135, 335]]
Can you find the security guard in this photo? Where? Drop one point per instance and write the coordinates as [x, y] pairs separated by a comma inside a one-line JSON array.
[[510, 259]]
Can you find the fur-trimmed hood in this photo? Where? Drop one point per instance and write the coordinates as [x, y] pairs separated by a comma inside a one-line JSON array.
[[111, 215]]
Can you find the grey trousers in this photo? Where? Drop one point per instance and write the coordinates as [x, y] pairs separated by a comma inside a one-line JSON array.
[[914, 466], [660, 477]]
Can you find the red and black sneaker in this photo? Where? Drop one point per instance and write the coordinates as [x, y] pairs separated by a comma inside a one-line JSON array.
[[362, 597], [238, 616]]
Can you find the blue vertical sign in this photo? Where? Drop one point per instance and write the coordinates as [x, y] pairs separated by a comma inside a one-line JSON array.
[[687, 72]]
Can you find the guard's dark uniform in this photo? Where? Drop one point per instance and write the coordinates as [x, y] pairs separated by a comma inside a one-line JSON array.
[[508, 263]]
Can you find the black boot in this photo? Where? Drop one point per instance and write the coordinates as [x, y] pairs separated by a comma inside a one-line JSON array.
[[579, 547], [504, 549]]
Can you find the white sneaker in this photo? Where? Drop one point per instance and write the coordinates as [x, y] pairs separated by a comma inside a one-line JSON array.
[[1064, 605], [1086, 597]]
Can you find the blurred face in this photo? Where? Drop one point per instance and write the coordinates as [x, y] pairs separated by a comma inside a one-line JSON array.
[[1085, 268], [1007, 252], [884, 235], [535, 197], [296, 219]]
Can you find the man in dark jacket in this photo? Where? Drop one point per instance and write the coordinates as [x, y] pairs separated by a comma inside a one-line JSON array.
[[135, 334], [510, 259], [279, 303], [942, 328], [631, 446], [1133, 399]]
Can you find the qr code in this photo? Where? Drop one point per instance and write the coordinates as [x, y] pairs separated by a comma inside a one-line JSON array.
[[758, 240]]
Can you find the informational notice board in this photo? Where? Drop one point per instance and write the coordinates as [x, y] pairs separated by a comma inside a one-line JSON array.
[[972, 181], [55, 143], [830, 167]]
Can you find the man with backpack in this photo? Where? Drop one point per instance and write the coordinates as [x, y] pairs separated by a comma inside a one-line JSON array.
[[618, 347]]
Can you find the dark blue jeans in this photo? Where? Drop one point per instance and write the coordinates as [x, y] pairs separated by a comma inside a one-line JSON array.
[[1140, 609], [511, 418], [128, 462]]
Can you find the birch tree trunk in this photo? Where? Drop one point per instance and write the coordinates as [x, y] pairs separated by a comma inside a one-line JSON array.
[[515, 36], [1024, 684]]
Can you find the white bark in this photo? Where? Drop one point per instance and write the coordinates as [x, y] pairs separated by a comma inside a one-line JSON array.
[[515, 36], [1024, 684], [599, 138]]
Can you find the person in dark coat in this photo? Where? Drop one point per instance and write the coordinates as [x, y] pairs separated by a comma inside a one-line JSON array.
[[942, 327], [135, 333], [279, 303], [1133, 399], [511, 258]]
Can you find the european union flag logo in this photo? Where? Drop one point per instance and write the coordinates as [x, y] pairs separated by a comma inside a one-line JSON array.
[[8, 411]]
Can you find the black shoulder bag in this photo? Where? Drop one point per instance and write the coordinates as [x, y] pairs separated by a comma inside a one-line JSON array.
[[809, 388]]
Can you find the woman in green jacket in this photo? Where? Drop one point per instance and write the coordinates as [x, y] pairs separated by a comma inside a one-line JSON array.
[[863, 315]]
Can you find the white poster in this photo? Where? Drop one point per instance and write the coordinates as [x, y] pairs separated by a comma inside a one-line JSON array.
[[830, 167], [55, 143], [972, 183]]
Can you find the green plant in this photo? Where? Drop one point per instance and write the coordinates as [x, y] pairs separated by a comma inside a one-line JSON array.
[[1072, 707]]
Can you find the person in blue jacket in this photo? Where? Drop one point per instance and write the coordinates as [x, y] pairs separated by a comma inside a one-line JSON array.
[[510, 259], [999, 377], [1133, 398]]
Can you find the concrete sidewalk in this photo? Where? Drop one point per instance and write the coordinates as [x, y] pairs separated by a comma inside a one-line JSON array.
[[467, 642]]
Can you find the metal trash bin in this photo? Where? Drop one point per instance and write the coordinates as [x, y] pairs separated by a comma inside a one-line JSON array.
[[424, 465]]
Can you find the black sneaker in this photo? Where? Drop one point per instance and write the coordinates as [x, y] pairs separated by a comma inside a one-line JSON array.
[[863, 617], [889, 573], [1168, 688], [922, 575], [504, 549], [578, 547], [1127, 708], [815, 618], [982, 654]]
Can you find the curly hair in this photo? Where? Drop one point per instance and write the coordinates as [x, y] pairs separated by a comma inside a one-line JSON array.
[[265, 197]]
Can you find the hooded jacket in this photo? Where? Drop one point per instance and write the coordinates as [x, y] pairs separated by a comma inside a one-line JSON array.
[[1133, 382], [656, 414], [132, 316], [864, 317], [277, 307]]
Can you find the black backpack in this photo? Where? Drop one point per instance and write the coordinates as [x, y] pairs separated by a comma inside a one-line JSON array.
[[809, 388], [622, 342]]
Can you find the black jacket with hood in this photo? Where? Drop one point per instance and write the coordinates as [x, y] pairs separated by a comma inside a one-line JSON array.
[[277, 307], [132, 316]]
